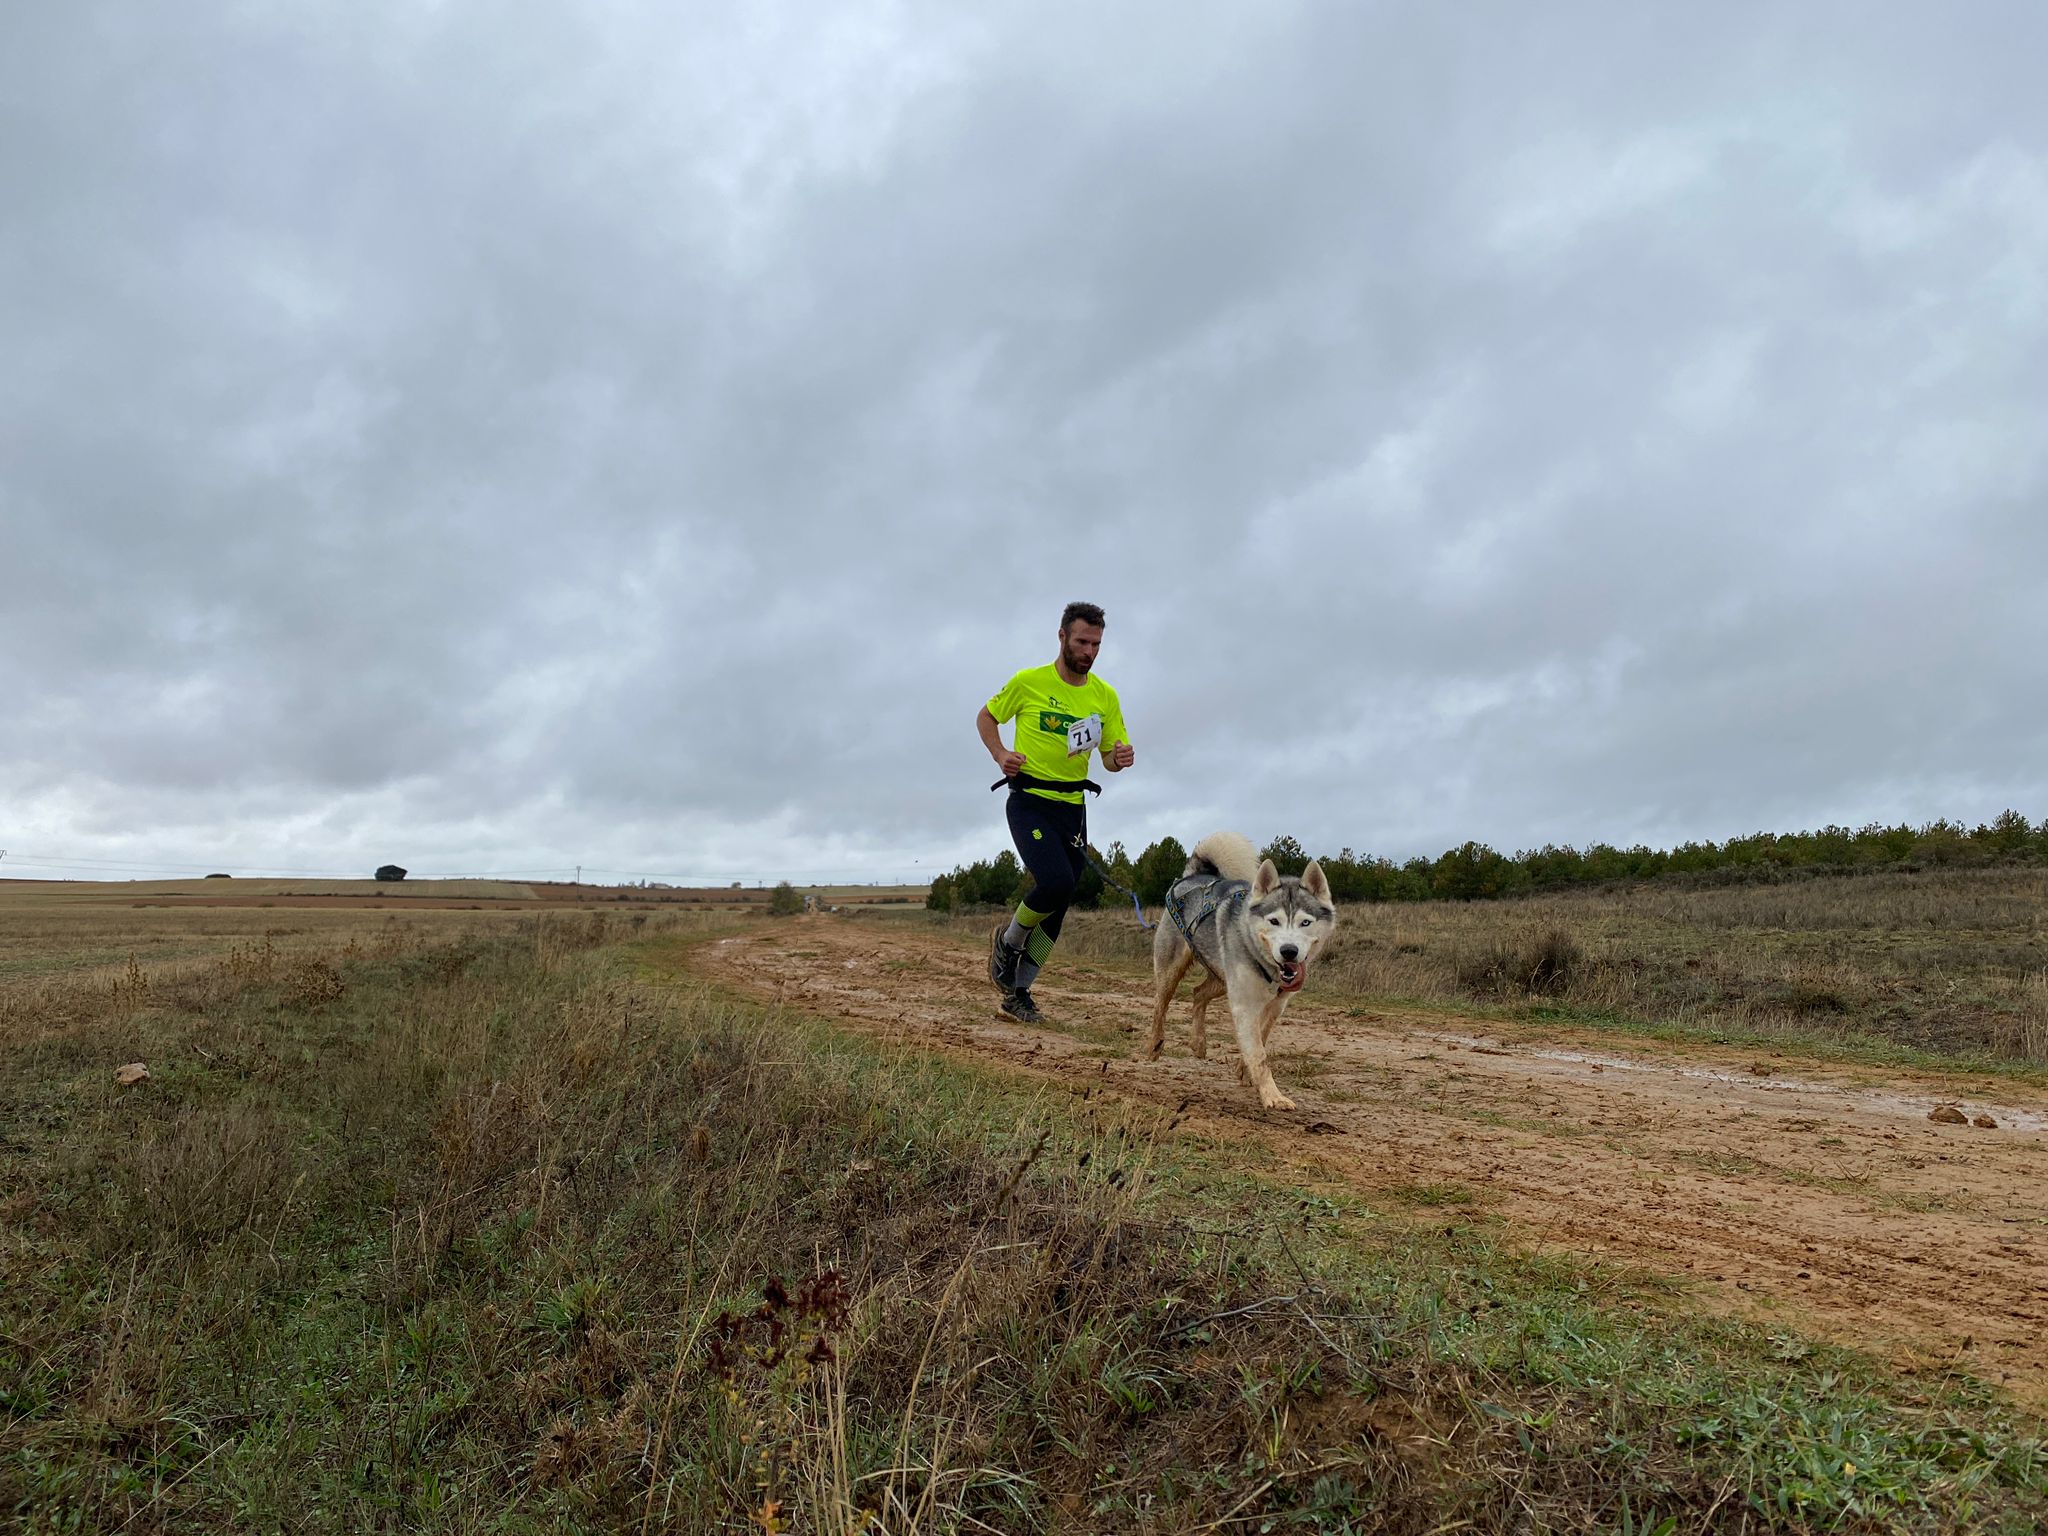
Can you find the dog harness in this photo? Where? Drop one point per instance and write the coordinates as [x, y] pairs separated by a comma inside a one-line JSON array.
[[1196, 899]]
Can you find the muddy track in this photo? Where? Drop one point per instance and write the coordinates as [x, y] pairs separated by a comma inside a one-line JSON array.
[[1818, 1195]]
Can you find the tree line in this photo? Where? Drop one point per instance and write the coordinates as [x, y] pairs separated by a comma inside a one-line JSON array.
[[1474, 872]]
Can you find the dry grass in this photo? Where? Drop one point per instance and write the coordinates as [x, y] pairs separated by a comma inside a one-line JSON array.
[[1951, 963], [495, 1227]]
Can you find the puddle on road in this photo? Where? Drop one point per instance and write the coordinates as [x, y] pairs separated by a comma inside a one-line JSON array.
[[1905, 1106]]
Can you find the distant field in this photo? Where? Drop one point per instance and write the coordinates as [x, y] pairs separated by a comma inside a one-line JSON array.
[[82, 926], [870, 895]]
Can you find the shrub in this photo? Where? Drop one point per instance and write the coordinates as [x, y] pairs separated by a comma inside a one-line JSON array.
[[996, 882], [1543, 965], [1156, 870]]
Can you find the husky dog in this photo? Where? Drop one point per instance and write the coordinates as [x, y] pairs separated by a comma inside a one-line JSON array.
[[1255, 931]]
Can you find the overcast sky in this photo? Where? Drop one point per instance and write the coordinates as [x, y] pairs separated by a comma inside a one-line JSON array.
[[503, 437]]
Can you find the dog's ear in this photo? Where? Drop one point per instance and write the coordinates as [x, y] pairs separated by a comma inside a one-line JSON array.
[[1266, 881], [1315, 883]]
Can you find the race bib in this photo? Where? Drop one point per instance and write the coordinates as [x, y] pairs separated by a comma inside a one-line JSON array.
[[1084, 736]]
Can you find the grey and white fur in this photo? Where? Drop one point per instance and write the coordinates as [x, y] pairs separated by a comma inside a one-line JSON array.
[[1255, 931]]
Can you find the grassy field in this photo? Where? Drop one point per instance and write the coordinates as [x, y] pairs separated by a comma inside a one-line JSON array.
[[1948, 964], [905, 897], [465, 1222]]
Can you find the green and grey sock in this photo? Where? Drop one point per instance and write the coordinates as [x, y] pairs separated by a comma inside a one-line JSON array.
[[1022, 925], [1036, 948]]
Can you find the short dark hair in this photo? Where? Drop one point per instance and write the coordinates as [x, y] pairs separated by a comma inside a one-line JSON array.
[[1087, 613]]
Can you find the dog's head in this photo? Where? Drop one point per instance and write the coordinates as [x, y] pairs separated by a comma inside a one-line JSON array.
[[1293, 917]]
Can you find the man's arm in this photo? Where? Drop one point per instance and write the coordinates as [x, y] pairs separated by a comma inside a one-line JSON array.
[[992, 738], [1120, 756]]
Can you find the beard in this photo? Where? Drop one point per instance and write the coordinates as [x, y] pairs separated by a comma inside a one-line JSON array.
[[1075, 663]]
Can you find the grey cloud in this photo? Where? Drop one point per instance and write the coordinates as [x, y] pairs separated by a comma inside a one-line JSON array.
[[646, 435]]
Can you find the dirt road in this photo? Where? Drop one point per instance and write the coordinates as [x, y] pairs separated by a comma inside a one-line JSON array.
[[1819, 1195]]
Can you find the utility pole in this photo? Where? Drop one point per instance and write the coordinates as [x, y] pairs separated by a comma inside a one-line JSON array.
[[579, 874]]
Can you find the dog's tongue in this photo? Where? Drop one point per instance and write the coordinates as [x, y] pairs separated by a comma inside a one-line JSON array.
[[1292, 976]]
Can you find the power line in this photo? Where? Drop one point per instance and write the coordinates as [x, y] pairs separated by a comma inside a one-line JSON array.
[[84, 861], [90, 865], [117, 865], [774, 874]]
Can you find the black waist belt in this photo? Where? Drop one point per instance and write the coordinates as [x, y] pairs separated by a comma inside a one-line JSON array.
[[1017, 781]]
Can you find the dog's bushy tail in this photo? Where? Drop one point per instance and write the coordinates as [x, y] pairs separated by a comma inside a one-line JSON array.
[[1228, 854]]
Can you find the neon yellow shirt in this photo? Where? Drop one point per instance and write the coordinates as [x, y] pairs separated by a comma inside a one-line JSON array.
[[1047, 708]]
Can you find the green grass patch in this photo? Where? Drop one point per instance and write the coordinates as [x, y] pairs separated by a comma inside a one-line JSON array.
[[1439, 1194]]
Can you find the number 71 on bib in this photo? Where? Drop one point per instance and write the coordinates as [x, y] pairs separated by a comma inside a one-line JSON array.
[[1084, 736]]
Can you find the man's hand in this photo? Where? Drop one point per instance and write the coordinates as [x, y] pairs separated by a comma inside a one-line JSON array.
[[992, 738], [1121, 756]]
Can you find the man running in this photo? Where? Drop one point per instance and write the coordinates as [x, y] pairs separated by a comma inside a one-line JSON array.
[[1063, 712]]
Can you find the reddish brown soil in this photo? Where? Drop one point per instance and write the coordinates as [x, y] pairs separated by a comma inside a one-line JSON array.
[[1816, 1194]]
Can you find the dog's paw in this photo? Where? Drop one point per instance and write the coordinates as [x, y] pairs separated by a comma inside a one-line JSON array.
[[1273, 1098], [1155, 1050], [1242, 1075]]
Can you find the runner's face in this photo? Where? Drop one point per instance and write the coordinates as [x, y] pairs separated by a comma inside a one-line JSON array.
[[1079, 642]]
